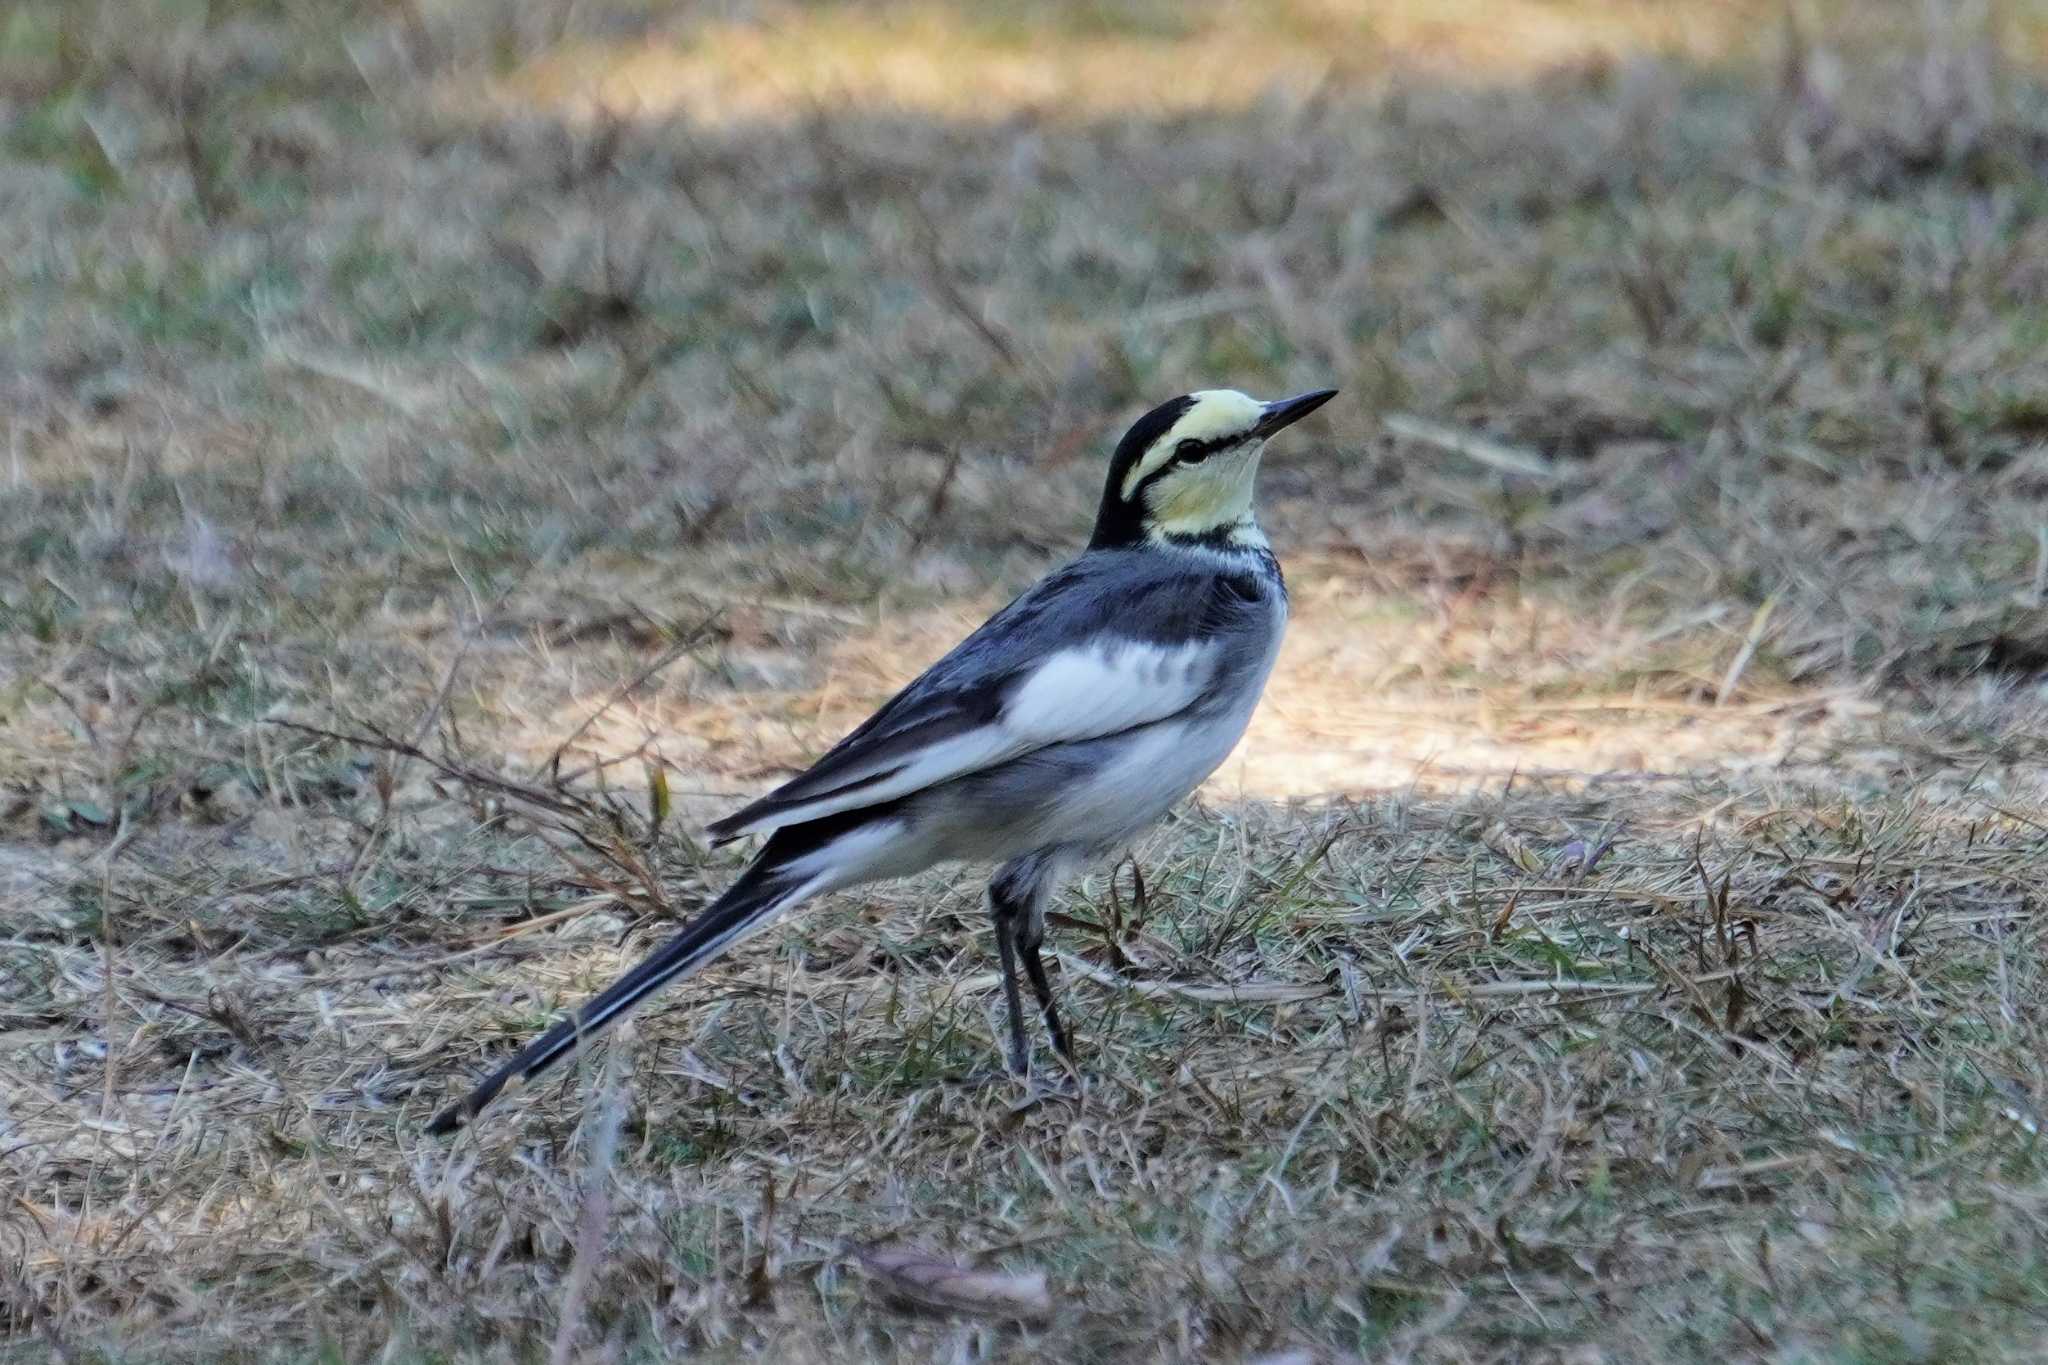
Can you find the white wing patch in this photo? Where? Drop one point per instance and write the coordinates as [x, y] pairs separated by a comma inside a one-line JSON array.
[[1076, 694], [1086, 693]]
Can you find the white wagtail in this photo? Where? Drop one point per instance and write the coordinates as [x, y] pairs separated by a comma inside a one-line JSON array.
[[1074, 718]]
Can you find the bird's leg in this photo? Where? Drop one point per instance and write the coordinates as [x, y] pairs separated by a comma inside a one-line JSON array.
[[1017, 896], [1034, 967], [1006, 914]]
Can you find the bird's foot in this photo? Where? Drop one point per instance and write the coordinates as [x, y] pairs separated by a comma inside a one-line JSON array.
[[1040, 1087]]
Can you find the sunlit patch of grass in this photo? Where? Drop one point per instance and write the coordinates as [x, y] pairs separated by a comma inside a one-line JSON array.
[[1089, 59]]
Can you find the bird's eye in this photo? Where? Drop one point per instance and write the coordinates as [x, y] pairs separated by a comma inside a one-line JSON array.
[[1191, 451]]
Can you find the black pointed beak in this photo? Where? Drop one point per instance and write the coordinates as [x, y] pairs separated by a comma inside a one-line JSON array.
[[1288, 411]]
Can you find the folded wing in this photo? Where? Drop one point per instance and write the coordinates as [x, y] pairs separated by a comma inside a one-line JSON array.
[[1019, 684]]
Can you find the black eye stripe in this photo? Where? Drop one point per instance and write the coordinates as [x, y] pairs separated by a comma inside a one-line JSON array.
[[1192, 451], [1186, 451]]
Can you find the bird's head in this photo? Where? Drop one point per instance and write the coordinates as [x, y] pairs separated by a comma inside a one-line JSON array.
[[1185, 470]]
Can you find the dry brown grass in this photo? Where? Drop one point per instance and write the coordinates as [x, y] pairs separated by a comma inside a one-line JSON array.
[[1619, 939]]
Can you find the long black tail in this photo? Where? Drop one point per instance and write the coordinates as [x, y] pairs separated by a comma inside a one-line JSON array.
[[762, 890]]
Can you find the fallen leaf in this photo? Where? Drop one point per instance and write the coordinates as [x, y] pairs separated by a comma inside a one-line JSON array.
[[925, 1281]]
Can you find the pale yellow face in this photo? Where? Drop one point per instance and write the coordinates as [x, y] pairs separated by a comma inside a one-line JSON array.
[[1192, 499]]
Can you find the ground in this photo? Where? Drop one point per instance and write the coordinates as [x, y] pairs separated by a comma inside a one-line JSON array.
[[454, 449]]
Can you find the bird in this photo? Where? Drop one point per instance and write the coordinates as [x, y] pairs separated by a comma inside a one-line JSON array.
[[1070, 721]]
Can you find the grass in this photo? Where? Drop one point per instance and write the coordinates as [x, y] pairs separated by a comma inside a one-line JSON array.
[[451, 450]]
